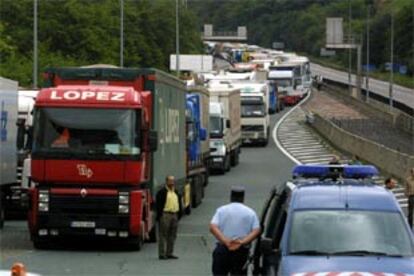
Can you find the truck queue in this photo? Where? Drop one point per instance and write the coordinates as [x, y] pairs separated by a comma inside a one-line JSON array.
[[89, 152], [140, 124]]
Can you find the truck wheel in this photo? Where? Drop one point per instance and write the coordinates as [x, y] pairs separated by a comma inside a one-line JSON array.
[[2, 215], [152, 237], [41, 244], [206, 175], [198, 191], [233, 158], [136, 243], [227, 162], [187, 210]]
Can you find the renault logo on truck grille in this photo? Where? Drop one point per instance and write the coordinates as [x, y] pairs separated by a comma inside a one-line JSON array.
[[83, 193]]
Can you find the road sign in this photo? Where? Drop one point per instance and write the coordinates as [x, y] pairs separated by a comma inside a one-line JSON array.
[[334, 30], [195, 63]]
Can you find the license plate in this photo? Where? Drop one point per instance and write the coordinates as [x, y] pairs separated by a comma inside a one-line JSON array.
[[82, 224], [217, 159], [250, 135]]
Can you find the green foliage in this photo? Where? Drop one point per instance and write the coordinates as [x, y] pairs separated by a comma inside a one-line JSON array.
[[83, 32]]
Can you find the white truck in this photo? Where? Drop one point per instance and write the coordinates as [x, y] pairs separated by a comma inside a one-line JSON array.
[[225, 127], [285, 79], [255, 119], [8, 134]]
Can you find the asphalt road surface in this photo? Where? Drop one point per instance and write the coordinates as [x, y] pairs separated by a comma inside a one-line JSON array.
[[258, 171], [401, 94]]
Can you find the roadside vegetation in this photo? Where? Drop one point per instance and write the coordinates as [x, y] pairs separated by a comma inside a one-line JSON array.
[[84, 32]]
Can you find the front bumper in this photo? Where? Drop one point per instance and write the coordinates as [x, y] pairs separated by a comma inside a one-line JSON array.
[[81, 225], [216, 162], [251, 136]]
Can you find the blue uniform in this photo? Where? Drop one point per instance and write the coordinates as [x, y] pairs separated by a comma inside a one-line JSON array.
[[235, 221]]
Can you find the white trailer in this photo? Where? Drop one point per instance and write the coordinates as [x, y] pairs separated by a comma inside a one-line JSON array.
[[8, 134], [225, 127]]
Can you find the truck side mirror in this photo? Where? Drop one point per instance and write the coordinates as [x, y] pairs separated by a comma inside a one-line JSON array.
[[228, 123], [203, 134], [153, 140]]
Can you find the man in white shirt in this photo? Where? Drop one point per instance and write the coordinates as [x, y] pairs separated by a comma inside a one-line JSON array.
[[235, 226]]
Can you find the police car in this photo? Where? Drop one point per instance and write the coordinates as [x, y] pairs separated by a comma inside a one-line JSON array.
[[333, 220]]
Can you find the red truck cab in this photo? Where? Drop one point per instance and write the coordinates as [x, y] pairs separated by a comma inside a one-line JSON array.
[[90, 163]]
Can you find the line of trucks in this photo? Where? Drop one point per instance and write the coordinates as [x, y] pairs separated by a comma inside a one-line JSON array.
[[99, 143], [86, 154]]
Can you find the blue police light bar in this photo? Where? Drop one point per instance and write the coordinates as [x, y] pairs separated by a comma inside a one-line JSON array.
[[360, 171], [345, 171]]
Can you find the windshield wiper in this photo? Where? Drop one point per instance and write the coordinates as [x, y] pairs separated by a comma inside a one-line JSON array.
[[361, 253], [310, 253]]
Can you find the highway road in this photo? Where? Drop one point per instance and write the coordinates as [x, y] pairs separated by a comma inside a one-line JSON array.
[[401, 94], [259, 170]]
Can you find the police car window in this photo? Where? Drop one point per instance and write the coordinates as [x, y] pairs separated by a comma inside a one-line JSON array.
[[349, 232]]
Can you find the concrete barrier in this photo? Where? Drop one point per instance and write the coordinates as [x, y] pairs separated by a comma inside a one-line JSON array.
[[388, 160], [377, 109]]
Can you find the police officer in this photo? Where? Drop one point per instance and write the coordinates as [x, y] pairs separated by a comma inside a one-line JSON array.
[[235, 226]]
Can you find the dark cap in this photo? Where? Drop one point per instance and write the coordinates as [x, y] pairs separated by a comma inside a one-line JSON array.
[[237, 190], [237, 194]]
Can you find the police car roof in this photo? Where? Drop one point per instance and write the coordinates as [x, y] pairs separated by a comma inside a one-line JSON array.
[[348, 195]]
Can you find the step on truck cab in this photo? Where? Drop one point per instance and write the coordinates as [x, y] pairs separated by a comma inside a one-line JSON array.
[[8, 134], [225, 127], [104, 141]]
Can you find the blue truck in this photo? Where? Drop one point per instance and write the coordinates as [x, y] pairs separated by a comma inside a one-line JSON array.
[[273, 99], [198, 151]]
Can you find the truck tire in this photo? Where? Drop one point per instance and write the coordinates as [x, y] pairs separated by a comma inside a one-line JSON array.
[[136, 243], [227, 163], [2, 206], [235, 157], [152, 236], [198, 191], [2, 216], [187, 210], [206, 176], [41, 244]]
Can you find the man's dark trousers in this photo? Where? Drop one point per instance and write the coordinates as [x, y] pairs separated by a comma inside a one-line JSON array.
[[226, 261], [168, 233], [410, 210]]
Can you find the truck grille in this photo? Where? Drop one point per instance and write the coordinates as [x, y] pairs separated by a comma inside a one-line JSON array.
[[87, 205], [252, 128]]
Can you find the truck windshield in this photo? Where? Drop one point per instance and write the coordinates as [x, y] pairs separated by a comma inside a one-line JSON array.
[[79, 131], [283, 82], [349, 233], [216, 126], [252, 110]]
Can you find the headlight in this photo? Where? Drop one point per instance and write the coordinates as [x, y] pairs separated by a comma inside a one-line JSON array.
[[123, 209], [221, 150], [43, 196], [123, 198], [43, 207]]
